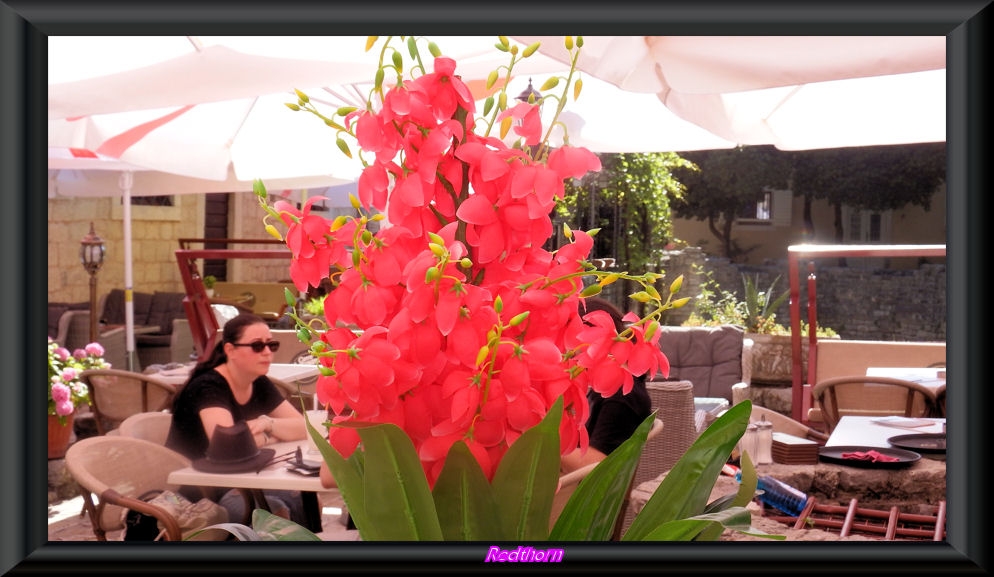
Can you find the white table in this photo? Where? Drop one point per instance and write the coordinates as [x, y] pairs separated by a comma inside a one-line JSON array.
[[283, 371], [275, 476], [931, 377], [862, 431]]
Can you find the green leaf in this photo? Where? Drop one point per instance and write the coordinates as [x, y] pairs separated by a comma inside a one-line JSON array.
[[526, 479], [398, 500], [348, 476], [593, 509], [239, 531], [686, 488], [464, 500], [275, 528], [738, 518]]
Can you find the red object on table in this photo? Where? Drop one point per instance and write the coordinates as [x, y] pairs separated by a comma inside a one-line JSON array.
[[871, 455]]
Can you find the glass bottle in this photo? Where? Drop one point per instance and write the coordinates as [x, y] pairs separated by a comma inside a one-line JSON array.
[[749, 441], [764, 442]]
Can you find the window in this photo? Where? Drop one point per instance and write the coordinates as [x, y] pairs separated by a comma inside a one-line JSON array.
[[866, 226], [152, 201], [774, 208]]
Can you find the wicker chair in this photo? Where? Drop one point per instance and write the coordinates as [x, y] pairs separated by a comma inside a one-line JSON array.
[[117, 470], [673, 402], [151, 426], [115, 395], [872, 396]]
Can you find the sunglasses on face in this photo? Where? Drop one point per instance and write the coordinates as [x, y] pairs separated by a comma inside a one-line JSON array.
[[257, 346]]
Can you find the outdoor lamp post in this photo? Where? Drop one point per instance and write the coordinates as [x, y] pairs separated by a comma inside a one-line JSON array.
[[91, 254], [528, 93]]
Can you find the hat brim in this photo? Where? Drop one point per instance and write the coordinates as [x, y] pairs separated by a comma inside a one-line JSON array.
[[254, 464]]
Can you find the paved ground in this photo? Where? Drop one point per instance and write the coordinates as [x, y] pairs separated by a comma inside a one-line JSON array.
[[66, 524]]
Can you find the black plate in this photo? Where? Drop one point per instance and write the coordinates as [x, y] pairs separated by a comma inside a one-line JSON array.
[[921, 443], [834, 455]]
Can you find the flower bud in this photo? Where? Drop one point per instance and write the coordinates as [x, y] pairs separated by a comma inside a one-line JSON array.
[[531, 49], [273, 232], [303, 98], [292, 106], [370, 40]]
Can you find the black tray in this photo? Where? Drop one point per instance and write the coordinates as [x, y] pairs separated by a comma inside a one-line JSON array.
[[834, 455], [921, 442]]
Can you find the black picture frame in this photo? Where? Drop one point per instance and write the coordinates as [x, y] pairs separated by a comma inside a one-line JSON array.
[[24, 25]]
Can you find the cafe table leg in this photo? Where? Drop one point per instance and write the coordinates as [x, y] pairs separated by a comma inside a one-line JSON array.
[[312, 511]]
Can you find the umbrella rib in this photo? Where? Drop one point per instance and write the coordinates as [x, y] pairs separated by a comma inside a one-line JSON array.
[[241, 124]]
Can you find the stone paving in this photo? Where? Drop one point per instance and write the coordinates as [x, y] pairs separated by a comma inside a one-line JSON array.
[[66, 524]]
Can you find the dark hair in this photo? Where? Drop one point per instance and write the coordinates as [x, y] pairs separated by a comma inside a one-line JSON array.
[[232, 332], [591, 304]]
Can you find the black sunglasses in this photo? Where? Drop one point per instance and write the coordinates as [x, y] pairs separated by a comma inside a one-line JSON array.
[[257, 346]]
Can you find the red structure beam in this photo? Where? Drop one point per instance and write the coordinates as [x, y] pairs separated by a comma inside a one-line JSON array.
[[798, 252], [203, 323]]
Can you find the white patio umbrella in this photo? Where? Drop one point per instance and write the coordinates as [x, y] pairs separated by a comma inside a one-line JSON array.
[[795, 92], [205, 110]]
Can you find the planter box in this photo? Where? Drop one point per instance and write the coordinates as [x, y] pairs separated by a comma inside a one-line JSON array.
[[767, 360]]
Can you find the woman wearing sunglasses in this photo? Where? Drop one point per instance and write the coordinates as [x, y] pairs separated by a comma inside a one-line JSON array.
[[231, 386]]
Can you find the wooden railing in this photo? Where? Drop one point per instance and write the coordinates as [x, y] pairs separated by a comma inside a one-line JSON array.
[[203, 323]]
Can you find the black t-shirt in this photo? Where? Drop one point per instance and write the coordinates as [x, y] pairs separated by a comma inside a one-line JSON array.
[[186, 434], [613, 419]]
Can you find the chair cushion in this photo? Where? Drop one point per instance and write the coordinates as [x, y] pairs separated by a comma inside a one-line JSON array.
[[113, 313], [165, 306], [55, 311], [708, 357]]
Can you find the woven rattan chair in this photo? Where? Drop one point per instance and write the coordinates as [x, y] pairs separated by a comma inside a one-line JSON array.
[[871, 396], [115, 395], [117, 470], [673, 402], [152, 426]]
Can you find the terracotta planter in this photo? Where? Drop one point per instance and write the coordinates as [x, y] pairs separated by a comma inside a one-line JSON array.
[[59, 436]]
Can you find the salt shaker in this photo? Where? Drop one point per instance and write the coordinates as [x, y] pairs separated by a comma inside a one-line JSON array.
[[764, 442], [749, 442]]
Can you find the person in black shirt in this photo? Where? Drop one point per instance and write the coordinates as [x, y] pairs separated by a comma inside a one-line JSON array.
[[612, 419], [231, 386]]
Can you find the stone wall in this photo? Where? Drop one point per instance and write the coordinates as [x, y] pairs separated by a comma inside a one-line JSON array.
[[155, 231], [859, 303]]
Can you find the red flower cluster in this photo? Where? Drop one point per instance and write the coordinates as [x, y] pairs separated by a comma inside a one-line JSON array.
[[468, 329]]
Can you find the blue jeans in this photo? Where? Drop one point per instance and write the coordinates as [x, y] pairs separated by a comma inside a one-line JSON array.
[[281, 502]]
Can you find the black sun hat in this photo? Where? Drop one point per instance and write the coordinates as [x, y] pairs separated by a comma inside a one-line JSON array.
[[233, 450]]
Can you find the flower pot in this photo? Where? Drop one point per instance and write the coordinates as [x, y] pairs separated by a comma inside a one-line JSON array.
[[771, 358], [59, 436]]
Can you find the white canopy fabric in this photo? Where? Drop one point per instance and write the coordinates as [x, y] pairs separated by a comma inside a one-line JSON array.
[[213, 108], [795, 92]]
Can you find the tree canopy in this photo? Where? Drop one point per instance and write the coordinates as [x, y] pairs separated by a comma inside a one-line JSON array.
[[723, 183]]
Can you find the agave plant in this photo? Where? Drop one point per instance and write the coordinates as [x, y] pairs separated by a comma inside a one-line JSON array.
[[761, 307]]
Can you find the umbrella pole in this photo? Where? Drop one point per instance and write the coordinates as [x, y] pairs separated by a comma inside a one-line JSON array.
[[126, 181]]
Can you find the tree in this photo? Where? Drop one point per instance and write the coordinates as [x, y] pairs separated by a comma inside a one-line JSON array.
[[629, 200], [727, 182], [875, 178], [724, 183]]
